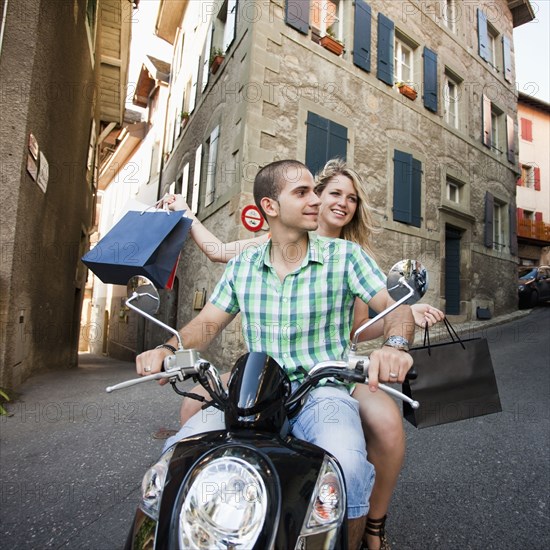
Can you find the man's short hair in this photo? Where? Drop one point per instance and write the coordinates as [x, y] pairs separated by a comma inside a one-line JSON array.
[[270, 180]]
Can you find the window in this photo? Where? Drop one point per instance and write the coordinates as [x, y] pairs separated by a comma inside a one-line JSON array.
[[449, 14], [178, 53], [488, 42], [325, 139], [196, 180], [454, 191], [185, 181], [206, 58], [526, 129], [493, 41], [500, 224], [212, 145], [530, 176], [403, 67], [451, 97], [494, 126], [327, 17], [495, 123], [407, 180], [225, 26], [91, 149], [194, 83]]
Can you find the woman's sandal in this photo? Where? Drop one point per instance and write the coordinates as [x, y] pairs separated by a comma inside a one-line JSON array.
[[376, 528]]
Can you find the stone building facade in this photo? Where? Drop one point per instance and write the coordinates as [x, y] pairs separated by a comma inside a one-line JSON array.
[[63, 74], [439, 161]]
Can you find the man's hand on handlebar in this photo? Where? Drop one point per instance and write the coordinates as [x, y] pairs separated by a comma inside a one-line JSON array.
[[151, 362], [388, 364]]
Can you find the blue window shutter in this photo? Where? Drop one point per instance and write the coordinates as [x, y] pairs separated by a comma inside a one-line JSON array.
[[297, 15], [337, 141], [416, 193], [430, 80], [489, 204], [483, 35], [384, 70], [316, 142], [487, 122], [325, 140], [402, 178], [510, 139], [507, 58], [362, 35]]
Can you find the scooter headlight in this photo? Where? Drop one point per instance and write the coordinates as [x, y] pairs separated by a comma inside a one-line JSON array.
[[153, 484], [224, 507]]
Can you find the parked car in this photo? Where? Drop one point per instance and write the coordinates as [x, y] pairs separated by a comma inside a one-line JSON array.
[[533, 285]]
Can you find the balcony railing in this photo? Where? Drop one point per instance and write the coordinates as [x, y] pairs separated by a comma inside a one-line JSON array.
[[537, 230]]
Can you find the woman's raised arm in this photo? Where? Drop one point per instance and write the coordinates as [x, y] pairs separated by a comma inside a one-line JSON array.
[[215, 250]]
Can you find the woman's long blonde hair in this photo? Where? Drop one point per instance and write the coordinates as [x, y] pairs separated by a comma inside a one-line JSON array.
[[360, 229]]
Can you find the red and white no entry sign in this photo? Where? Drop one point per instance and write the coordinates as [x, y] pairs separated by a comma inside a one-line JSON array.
[[252, 218]]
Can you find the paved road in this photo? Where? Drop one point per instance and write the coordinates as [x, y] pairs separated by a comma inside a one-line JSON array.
[[72, 458]]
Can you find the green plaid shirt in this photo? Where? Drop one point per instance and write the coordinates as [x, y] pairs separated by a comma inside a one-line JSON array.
[[307, 318]]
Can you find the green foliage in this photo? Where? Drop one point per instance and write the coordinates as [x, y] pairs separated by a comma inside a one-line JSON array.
[[4, 397], [214, 52]]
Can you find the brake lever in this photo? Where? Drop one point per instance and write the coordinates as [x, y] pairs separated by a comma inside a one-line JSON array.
[[147, 378]]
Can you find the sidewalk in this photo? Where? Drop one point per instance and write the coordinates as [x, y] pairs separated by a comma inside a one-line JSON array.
[[467, 329]]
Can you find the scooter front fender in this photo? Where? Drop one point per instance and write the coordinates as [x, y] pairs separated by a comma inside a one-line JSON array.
[[290, 468]]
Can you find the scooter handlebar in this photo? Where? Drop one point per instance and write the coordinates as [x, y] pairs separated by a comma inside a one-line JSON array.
[[355, 361], [176, 366], [134, 381]]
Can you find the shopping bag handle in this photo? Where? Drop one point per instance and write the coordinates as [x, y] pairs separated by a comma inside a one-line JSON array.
[[450, 329], [156, 205], [452, 333]]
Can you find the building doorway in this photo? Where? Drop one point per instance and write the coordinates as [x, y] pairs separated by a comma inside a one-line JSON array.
[[452, 270]]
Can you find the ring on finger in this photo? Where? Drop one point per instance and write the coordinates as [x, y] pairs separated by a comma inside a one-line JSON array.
[[393, 375], [147, 368]]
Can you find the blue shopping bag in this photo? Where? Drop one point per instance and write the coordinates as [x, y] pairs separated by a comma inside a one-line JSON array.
[[141, 243]]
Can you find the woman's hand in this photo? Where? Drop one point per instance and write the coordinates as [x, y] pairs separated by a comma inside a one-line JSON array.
[[426, 315], [175, 202]]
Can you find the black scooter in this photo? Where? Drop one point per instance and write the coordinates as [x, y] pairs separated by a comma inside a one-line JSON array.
[[252, 485]]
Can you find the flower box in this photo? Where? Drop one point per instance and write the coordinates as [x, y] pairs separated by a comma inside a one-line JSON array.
[[217, 60], [407, 91], [331, 44]]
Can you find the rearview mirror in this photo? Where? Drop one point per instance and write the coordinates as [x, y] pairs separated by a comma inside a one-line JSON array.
[[143, 295], [406, 276], [407, 282]]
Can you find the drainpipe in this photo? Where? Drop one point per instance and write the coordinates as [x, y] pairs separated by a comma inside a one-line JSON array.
[[4, 17]]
